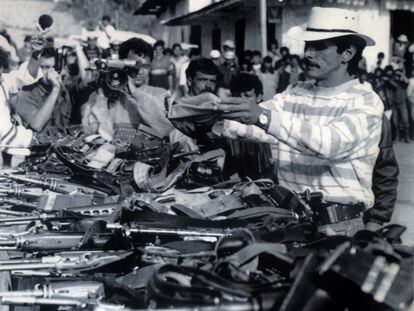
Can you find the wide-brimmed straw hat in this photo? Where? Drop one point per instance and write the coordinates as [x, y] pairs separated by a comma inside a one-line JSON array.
[[326, 23]]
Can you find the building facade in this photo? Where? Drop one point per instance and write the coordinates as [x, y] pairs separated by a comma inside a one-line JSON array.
[[209, 23]]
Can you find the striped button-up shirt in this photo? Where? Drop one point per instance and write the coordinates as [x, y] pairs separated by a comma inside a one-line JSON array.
[[323, 139]]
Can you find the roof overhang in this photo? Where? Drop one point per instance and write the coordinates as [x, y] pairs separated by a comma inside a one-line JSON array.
[[154, 7], [212, 12]]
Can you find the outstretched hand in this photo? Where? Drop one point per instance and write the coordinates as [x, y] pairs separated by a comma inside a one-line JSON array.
[[243, 110]]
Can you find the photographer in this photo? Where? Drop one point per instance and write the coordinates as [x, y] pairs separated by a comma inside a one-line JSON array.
[[37, 103], [136, 103]]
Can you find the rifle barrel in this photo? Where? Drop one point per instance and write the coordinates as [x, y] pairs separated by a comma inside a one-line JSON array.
[[8, 243], [27, 266], [28, 300]]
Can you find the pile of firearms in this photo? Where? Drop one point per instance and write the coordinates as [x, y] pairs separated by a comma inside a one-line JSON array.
[[162, 230]]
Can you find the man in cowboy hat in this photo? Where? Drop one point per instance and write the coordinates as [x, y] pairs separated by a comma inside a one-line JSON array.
[[324, 133]]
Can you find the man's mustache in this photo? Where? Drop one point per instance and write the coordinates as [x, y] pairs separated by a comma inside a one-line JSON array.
[[310, 63], [208, 90]]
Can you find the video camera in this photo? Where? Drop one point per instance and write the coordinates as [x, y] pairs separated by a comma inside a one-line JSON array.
[[113, 74]]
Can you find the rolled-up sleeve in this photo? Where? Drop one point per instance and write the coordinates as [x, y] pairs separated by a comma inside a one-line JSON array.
[[338, 139]]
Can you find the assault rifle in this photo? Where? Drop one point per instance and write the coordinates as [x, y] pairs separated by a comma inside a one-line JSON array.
[[18, 191], [61, 216], [79, 261], [235, 306], [72, 214], [134, 229], [49, 184], [76, 294], [51, 241]]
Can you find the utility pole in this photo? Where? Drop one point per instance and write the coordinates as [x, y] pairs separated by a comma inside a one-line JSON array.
[[263, 26]]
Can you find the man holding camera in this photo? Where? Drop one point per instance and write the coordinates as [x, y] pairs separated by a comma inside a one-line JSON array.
[[42, 104], [326, 133], [138, 103]]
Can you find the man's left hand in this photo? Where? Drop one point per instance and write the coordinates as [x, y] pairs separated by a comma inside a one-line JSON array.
[[240, 109]]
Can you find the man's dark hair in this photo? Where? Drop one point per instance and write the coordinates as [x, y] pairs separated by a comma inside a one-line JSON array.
[[388, 68], [136, 45], [203, 65], [4, 60], [246, 63], [159, 43], [378, 69], [284, 49], [106, 18], [175, 45], [267, 59], [380, 55], [248, 54], [256, 53], [346, 42], [244, 82], [49, 53], [194, 52], [280, 63], [168, 51]]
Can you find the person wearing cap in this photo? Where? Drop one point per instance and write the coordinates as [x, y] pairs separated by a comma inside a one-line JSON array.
[[113, 51], [215, 56], [229, 48], [229, 66], [324, 133], [400, 46], [92, 50]]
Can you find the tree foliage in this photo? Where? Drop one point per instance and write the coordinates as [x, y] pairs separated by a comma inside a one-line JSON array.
[[121, 12]]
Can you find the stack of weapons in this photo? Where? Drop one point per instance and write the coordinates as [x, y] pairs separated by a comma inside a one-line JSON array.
[[251, 246]]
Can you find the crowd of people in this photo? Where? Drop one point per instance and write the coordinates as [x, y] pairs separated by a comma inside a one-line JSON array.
[[326, 135]]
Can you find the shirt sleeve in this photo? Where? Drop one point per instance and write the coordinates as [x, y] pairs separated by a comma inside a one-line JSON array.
[[338, 139], [384, 179], [152, 111], [10, 134]]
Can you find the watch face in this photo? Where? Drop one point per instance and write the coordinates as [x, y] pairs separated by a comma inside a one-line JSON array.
[[263, 119]]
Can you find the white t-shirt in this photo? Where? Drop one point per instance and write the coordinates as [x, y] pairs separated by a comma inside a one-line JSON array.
[[105, 36]]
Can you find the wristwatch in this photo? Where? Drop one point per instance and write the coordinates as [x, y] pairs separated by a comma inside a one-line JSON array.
[[264, 120]]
